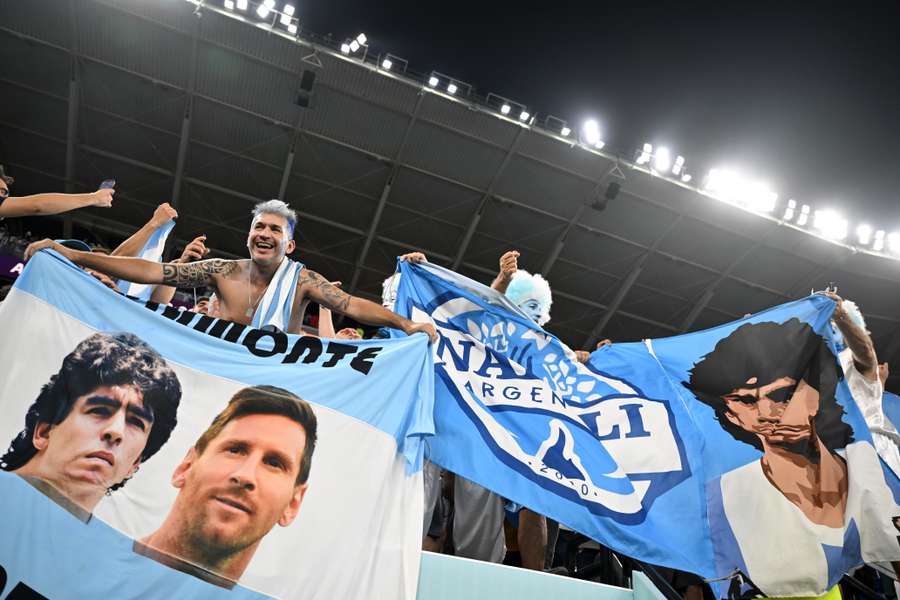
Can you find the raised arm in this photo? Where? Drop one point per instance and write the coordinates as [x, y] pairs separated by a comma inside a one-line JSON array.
[[857, 339], [317, 288], [53, 204], [508, 266], [204, 272], [130, 247]]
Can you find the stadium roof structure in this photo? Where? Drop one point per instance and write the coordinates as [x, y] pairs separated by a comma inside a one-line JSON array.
[[203, 110]]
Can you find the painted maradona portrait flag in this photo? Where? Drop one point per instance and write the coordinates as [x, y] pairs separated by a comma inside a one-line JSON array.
[[732, 450], [149, 452]]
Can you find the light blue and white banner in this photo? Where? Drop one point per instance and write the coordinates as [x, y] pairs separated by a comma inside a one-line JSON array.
[[152, 251], [713, 452], [200, 430]]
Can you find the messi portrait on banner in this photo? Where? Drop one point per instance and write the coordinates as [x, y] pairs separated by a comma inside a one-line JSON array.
[[186, 465]]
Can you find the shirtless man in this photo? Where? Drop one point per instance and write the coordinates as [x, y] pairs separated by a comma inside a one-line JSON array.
[[241, 284]]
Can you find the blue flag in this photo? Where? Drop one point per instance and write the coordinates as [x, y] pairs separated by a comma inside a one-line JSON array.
[[736, 449], [152, 251]]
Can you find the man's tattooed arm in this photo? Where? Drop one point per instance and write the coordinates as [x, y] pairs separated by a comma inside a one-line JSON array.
[[323, 292], [198, 273]]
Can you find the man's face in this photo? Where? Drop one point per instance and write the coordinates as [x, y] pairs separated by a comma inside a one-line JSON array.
[[4, 190], [780, 412], [202, 306], [100, 441], [532, 308], [242, 484], [268, 240]]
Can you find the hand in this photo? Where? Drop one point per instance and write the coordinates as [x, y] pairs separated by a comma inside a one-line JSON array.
[[36, 247], [884, 372], [162, 215], [582, 356], [410, 328], [604, 343], [414, 257], [839, 312], [509, 264], [104, 279], [103, 197], [195, 250]]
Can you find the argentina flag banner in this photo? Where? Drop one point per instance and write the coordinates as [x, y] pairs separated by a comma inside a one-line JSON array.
[[153, 251], [150, 452], [735, 450]]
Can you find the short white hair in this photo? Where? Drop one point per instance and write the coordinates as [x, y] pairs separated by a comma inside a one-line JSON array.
[[277, 207], [525, 286]]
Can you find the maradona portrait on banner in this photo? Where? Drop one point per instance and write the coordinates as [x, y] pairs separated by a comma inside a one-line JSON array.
[[246, 473], [815, 492], [110, 407]]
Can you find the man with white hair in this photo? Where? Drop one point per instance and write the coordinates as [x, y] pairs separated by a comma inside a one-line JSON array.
[[266, 290], [860, 365]]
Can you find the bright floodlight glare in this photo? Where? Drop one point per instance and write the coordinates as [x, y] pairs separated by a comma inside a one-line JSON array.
[[354, 46], [263, 11], [387, 64], [878, 244], [893, 240], [591, 132], [524, 116], [345, 48], [644, 157], [505, 109], [599, 144], [679, 164], [864, 234], [362, 39], [804, 215], [686, 178], [662, 160], [242, 4], [565, 131], [452, 88], [758, 197], [289, 10], [433, 81], [285, 19], [790, 210], [292, 28], [830, 224], [229, 4]]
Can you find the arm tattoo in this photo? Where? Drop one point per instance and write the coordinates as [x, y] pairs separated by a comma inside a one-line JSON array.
[[198, 273], [324, 293]]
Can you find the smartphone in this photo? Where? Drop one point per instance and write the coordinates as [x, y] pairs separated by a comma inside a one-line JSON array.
[[108, 184]]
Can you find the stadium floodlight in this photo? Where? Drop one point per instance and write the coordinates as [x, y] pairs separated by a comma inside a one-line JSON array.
[[599, 144], [524, 116], [505, 108], [285, 19], [354, 45], [590, 132], [265, 8], [451, 88], [804, 215], [345, 48], [830, 224], [292, 28], [678, 165], [565, 131], [893, 242], [242, 4], [686, 178], [229, 4], [289, 10], [790, 210], [433, 81], [864, 234], [646, 152], [386, 64], [662, 160], [878, 244], [758, 197], [361, 39]]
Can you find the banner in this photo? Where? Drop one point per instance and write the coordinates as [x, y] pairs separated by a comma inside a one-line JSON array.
[[159, 453], [736, 449], [152, 251]]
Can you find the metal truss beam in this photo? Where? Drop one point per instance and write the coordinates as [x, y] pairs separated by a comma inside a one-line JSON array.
[[626, 286], [184, 141], [485, 198], [385, 194]]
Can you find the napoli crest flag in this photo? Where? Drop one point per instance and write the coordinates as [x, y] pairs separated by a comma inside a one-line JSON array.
[[734, 450]]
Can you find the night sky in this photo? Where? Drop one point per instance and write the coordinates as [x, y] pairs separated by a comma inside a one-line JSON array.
[[805, 96]]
